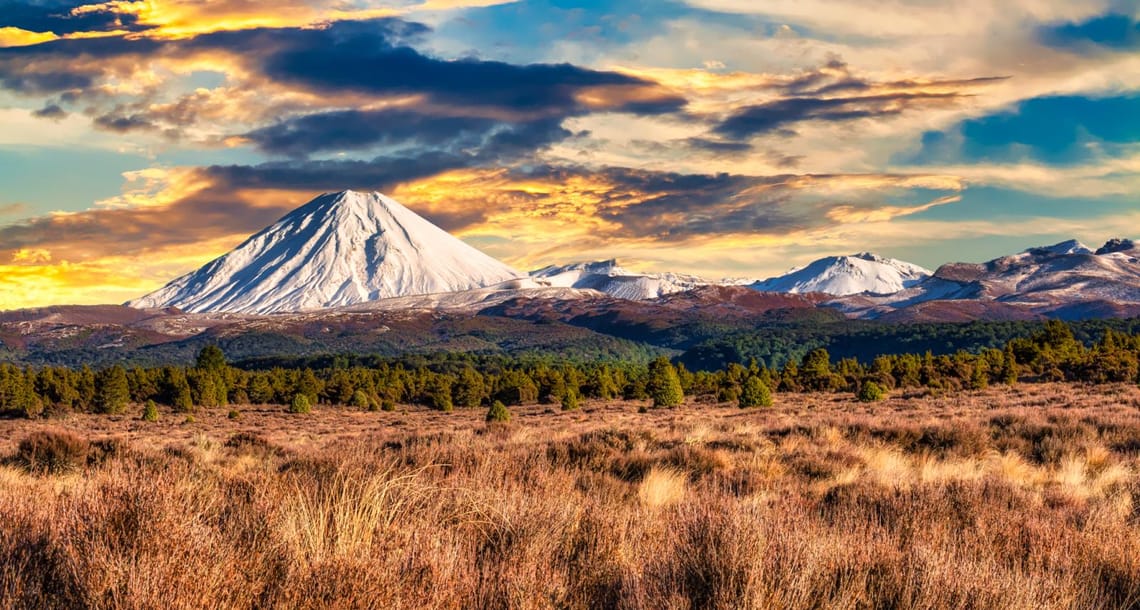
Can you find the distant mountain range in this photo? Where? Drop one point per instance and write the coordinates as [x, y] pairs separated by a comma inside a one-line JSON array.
[[367, 251], [360, 273]]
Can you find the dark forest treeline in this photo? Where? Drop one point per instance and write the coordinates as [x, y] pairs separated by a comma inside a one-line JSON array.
[[774, 345], [447, 381]]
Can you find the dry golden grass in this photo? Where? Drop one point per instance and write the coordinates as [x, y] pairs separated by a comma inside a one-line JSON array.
[[1022, 498]]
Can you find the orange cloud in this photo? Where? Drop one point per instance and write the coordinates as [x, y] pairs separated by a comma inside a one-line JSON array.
[[15, 37], [186, 18]]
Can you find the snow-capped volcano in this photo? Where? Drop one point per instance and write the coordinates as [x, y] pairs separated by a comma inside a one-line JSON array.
[[847, 275], [338, 249], [610, 278]]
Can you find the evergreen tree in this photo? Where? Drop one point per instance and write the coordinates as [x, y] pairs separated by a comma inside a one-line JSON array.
[[85, 389], [177, 390], [260, 389], [600, 383], [755, 393], [112, 392], [211, 358], [663, 385], [204, 389], [516, 388], [437, 392], [469, 389], [150, 411], [300, 404], [1009, 366], [815, 373], [570, 400], [790, 377], [309, 385], [360, 400], [980, 377]]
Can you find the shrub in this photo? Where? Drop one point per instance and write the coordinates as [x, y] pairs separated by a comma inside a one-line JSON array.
[[251, 443], [387, 405], [360, 400], [300, 404], [33, 408], [755, 393], [871, 392], [234, 414], [498, 413], [53, 452], [570, 401], [150, 411], [664, 385], [728, 393]]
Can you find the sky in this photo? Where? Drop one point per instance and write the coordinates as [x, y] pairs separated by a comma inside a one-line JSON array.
[[724, 138]]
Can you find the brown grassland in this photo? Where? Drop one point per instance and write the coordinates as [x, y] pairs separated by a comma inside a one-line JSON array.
[[1023, 497]]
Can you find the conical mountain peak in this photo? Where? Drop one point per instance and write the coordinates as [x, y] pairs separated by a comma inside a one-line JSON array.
[[339, 249]]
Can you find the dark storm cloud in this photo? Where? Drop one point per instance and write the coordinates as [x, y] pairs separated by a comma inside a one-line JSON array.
[[373, 57], [781, 115], [362, 129], [368, 57], [498, 145], [56, 17], [381, 173], [358, 129], [71, 66], [470, 110]]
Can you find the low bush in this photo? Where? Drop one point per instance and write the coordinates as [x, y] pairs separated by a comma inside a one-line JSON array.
[[498, 413], [150, 411], [871, 392], [53, 452], [300, 404]]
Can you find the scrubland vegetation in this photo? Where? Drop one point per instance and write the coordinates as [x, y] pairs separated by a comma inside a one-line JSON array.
[[1007, 497]]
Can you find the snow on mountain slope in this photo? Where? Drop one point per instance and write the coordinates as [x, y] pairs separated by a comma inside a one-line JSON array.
[[611, 279], [478, 298], [1071, 246], [848, 275], [338, 249], [1065, 276]]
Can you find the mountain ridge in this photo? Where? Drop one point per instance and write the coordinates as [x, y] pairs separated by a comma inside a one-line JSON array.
[[864, 272]]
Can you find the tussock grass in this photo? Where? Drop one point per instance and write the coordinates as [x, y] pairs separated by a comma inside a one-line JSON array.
[[988, 503]]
